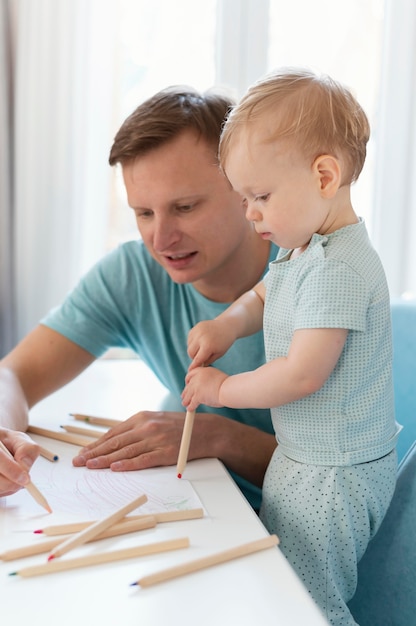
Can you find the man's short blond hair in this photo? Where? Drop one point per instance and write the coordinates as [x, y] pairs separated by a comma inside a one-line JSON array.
[[320, 114]]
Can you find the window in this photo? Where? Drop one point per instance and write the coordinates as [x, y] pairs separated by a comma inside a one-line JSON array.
[[236, 41], [161, 43], [342, 39]]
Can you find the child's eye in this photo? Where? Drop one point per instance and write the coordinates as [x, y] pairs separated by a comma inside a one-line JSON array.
[[262, 198]]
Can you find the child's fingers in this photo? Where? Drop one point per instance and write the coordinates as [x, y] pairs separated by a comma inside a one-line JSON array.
[[188, 401]]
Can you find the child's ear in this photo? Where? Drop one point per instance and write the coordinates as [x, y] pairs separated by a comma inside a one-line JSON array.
[[328, 172]]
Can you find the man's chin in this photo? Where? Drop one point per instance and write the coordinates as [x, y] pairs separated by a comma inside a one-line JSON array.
[[181, 277]]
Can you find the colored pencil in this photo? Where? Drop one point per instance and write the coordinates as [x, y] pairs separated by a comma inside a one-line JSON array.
[[185, 441], [213, 559], [77, 440], [78, 430], [40, 547], [100, 421], [165, 516], [47, 454], [95, 529], [105, 557], [30, 487]]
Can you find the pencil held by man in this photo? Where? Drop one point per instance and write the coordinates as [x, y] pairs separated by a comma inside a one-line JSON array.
[[29, 486]]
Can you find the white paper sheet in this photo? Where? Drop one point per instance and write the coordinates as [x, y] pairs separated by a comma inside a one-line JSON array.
[[77, 493]]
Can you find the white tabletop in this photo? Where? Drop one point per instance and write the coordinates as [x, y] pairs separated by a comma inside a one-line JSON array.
[[260, 588]]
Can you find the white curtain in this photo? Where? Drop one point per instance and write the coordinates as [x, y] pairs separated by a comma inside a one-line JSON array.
[[7, 330], [395, 185], [57, 209], [242, 42]]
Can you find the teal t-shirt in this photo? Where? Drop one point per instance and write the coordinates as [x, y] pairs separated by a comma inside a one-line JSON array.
[[338, 282], [127, 300]]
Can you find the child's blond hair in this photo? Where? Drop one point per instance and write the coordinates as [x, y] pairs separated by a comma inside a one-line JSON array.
[[319, 113]]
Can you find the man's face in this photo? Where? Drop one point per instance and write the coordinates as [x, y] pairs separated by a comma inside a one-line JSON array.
[[190, 219]]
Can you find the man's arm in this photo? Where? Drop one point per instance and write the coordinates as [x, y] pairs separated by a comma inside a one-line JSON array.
[[40, 364]]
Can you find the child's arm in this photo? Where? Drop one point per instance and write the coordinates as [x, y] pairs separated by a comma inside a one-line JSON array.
[[312, 356], [209, 340]]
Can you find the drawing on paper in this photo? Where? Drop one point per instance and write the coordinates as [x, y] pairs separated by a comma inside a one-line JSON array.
[[91, 494]]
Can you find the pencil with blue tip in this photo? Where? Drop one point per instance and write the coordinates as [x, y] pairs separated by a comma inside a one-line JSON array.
[[208, 561], [48, 454]]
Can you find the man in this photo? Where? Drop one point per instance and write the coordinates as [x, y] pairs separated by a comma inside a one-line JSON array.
[[198, 253]]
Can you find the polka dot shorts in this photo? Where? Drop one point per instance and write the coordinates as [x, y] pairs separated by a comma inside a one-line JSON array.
[[324, 517]]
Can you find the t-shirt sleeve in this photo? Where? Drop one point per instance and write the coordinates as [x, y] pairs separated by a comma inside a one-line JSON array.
[[94, 315], [331, 294]]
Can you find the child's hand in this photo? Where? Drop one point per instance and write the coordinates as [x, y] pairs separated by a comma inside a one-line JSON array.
[[207, 342], [202, 386]]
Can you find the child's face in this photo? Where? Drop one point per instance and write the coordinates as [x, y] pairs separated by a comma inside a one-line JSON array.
[[281, 189]]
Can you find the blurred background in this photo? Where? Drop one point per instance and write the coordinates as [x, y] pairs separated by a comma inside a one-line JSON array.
[[72, 70]]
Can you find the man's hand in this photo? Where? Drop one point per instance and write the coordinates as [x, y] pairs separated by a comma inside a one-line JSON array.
[[14, 472], [147, 439]]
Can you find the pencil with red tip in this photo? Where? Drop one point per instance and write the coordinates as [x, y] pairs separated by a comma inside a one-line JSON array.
[[164, 516], [185, 441], [87, 534], [39, 547]]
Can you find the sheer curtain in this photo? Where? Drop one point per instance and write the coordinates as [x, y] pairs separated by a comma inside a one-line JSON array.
[[55, 209], [395, 184], [7, 330]]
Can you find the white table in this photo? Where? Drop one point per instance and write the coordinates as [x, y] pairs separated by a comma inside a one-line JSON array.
[[257, 589]]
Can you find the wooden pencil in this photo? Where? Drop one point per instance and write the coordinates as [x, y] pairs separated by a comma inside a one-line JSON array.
[[78, 430], [185, 441], [30, 487], [38, 496], [176, 516], [105, 557], [164, 516], [76, 527], [213, 559], [77, 440], [95, 529], [47, 454], [40, 547], [92, 419]]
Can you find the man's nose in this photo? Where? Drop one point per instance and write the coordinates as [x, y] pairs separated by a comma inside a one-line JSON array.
[[165, 233]]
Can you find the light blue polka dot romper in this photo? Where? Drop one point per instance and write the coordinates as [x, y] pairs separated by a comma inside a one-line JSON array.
[[332, 476]]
